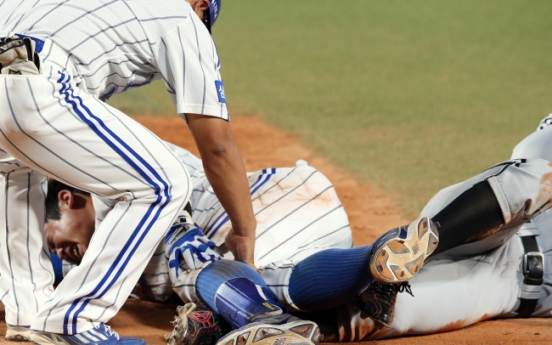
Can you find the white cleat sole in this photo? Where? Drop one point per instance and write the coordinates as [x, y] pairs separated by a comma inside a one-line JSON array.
[[401, 257], [296, 331]]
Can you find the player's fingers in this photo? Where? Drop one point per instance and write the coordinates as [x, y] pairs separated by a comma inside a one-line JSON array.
[[252, 265], [223, 249], [189, 259], [244, 254]]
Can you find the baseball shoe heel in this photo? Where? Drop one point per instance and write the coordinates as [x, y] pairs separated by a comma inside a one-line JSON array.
[[101, 334], [398, 255], [280, 329], [17, 333], [194, 326]]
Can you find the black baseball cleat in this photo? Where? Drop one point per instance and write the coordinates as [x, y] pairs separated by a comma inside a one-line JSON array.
[[398, 255], [283, 329], [194, 326], [378, 302]]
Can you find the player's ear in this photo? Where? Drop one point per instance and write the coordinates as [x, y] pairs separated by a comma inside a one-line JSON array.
[[66, 198], [200, 5], [205, 4]]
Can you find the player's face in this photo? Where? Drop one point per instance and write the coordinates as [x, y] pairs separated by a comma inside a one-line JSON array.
[[69, 236]]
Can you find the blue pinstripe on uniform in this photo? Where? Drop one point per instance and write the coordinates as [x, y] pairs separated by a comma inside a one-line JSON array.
[[261, 180], [210, 227], [161, 188]]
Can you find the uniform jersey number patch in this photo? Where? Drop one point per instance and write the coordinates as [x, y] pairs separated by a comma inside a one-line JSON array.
[[220, 91]]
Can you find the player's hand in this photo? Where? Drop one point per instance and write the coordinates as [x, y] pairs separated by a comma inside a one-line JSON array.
[[243, 247]]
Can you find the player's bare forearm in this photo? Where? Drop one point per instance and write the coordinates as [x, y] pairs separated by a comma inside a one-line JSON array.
[[225, 171]]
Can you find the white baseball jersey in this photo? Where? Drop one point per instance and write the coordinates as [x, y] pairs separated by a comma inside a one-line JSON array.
[[55, 123], [110, 46]]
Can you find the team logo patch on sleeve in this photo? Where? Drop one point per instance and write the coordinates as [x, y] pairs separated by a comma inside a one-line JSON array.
[[220, 91]]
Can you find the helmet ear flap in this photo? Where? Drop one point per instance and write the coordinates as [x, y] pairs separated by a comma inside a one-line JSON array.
[[214, 10], [211, 13]]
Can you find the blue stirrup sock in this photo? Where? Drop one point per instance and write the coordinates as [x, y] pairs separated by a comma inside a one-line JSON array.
[[329, 278]]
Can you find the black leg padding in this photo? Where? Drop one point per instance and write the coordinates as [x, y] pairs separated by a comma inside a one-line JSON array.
[[473, 215]]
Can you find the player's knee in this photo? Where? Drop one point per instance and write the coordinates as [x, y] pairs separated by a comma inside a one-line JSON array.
[[171, 184]]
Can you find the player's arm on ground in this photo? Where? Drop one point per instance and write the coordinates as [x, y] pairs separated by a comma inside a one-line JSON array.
[[225, 171]]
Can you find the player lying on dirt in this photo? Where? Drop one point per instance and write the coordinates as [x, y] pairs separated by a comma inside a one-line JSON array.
[[507, 274], [298, 272]]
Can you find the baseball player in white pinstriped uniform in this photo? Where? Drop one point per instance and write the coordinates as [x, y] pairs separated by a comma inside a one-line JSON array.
[[59, 60]]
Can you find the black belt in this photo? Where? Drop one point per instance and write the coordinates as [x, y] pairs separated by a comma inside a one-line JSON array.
[[533, 272]]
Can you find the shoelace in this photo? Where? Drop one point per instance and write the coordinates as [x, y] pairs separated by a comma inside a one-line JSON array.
[[107, 329], [402, 287], [388, 291]]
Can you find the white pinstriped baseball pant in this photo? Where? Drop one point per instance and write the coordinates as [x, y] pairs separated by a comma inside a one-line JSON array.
[[52, 127]]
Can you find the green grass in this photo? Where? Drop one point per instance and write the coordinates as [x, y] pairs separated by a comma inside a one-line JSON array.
[[408, 95], [150, 100]]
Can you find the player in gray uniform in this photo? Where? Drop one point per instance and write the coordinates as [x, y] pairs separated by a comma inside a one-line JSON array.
[[59, 60], [507, 274]]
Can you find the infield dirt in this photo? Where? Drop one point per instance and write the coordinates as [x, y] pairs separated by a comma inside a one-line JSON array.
[[371, 212]]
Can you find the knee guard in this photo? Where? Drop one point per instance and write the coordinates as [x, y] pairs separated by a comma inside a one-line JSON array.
[[240, 301]]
